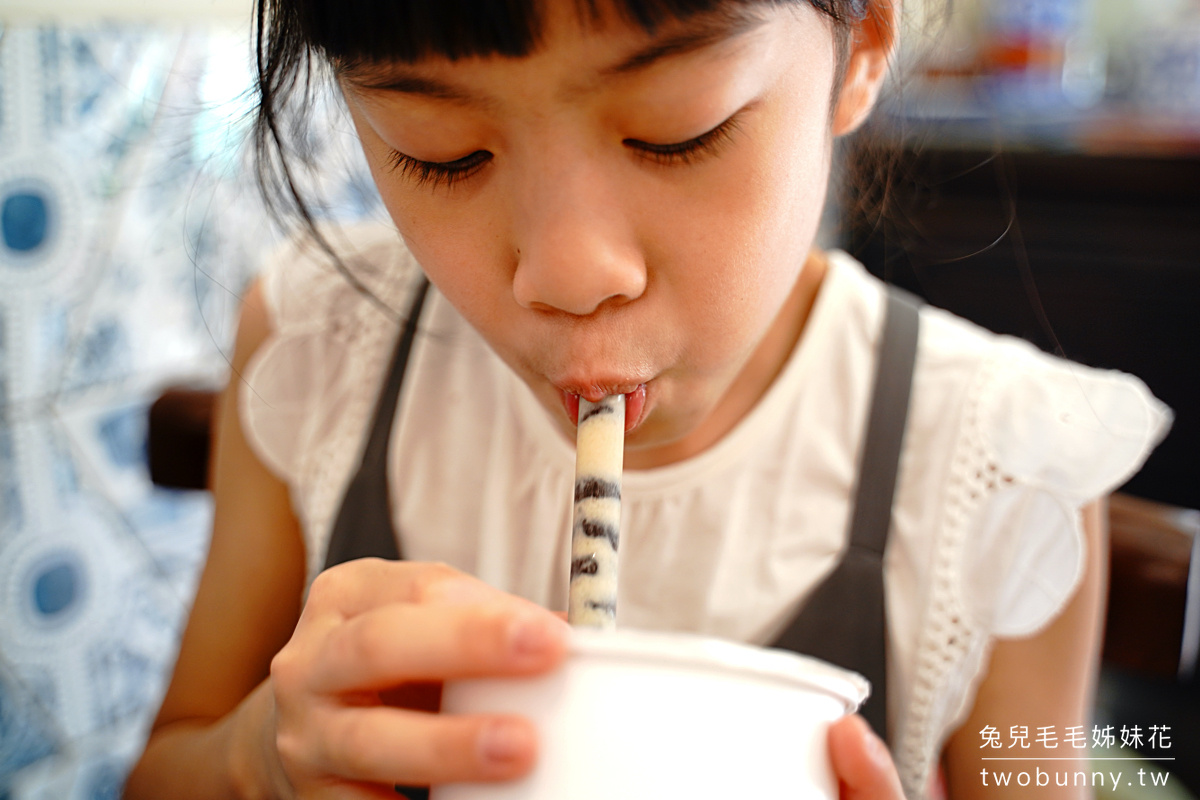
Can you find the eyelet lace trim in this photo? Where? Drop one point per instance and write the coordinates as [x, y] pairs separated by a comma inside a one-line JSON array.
[[948, 637], [362, 329], [327, 468]]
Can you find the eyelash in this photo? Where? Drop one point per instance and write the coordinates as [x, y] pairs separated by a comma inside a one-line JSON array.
[[691, 151], [448, 173], [438, 173]]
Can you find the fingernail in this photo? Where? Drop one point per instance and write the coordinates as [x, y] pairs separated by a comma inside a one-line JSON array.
[[534, 634], [503, 741]]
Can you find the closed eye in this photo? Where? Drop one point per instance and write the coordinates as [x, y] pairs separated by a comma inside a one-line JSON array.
[[690, 151], [448, 173], [438, 173]]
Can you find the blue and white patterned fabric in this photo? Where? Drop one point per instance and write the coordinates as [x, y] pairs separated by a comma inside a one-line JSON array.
[[128, 228]]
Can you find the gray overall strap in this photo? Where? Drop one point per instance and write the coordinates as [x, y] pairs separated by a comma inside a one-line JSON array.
[[364, 522], [844, 621]]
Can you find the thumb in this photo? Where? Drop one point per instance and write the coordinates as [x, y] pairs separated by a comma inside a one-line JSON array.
[[861, 762]]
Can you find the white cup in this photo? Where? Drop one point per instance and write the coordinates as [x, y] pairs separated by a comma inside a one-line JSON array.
[[634, 715]]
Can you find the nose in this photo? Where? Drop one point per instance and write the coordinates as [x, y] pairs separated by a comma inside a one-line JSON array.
[[576, 250]]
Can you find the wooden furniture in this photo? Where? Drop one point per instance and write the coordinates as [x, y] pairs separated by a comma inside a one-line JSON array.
[[179, 437]]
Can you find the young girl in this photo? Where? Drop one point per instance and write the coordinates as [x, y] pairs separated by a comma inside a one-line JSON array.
[[617, 197]]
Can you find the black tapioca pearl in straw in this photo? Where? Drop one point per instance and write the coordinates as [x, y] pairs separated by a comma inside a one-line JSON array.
[[584, 566], [607, 608], [594, 411], [596, 488], [599, 530]]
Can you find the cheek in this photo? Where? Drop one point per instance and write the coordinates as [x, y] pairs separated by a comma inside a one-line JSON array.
[[453, 232], [742, 241], [459, 243]]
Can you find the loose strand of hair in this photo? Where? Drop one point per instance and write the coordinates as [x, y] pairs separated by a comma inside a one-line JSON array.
[[281, 72]]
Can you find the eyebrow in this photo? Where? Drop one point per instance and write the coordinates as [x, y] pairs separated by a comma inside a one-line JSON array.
[[395, 80], [700, 34]]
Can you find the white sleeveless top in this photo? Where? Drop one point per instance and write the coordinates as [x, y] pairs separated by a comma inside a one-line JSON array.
[[1004, 444]]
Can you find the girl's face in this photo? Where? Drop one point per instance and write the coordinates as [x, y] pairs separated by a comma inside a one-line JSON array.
[[622, 212]]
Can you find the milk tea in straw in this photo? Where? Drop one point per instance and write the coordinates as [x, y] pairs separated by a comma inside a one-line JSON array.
[[600, 446]]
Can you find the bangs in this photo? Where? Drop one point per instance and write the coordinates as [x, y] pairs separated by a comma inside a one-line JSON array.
[[354, 32]]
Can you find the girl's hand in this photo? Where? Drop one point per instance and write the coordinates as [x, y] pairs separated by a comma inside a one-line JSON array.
[[862, 762], [373, 634]]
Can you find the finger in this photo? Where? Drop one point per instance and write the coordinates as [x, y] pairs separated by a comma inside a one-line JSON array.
[[356, 586], [403, 642], [396, 746], [861, 762]]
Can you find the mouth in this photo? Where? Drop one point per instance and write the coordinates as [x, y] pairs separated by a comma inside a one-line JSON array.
[[635, 402]]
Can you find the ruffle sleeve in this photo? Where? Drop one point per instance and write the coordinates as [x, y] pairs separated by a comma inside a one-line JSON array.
[[1056, 436], [282, 383], [309, 388]]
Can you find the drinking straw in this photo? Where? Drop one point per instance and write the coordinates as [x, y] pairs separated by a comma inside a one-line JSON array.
[[599, 451]]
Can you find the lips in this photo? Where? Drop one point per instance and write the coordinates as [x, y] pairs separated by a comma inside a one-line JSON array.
[[635, 401]]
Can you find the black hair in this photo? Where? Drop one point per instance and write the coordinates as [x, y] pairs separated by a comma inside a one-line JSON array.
[[295, 38], [404, 30]]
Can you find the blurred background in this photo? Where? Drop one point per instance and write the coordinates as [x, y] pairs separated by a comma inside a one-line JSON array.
[[1046, 163], [129, 226]]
